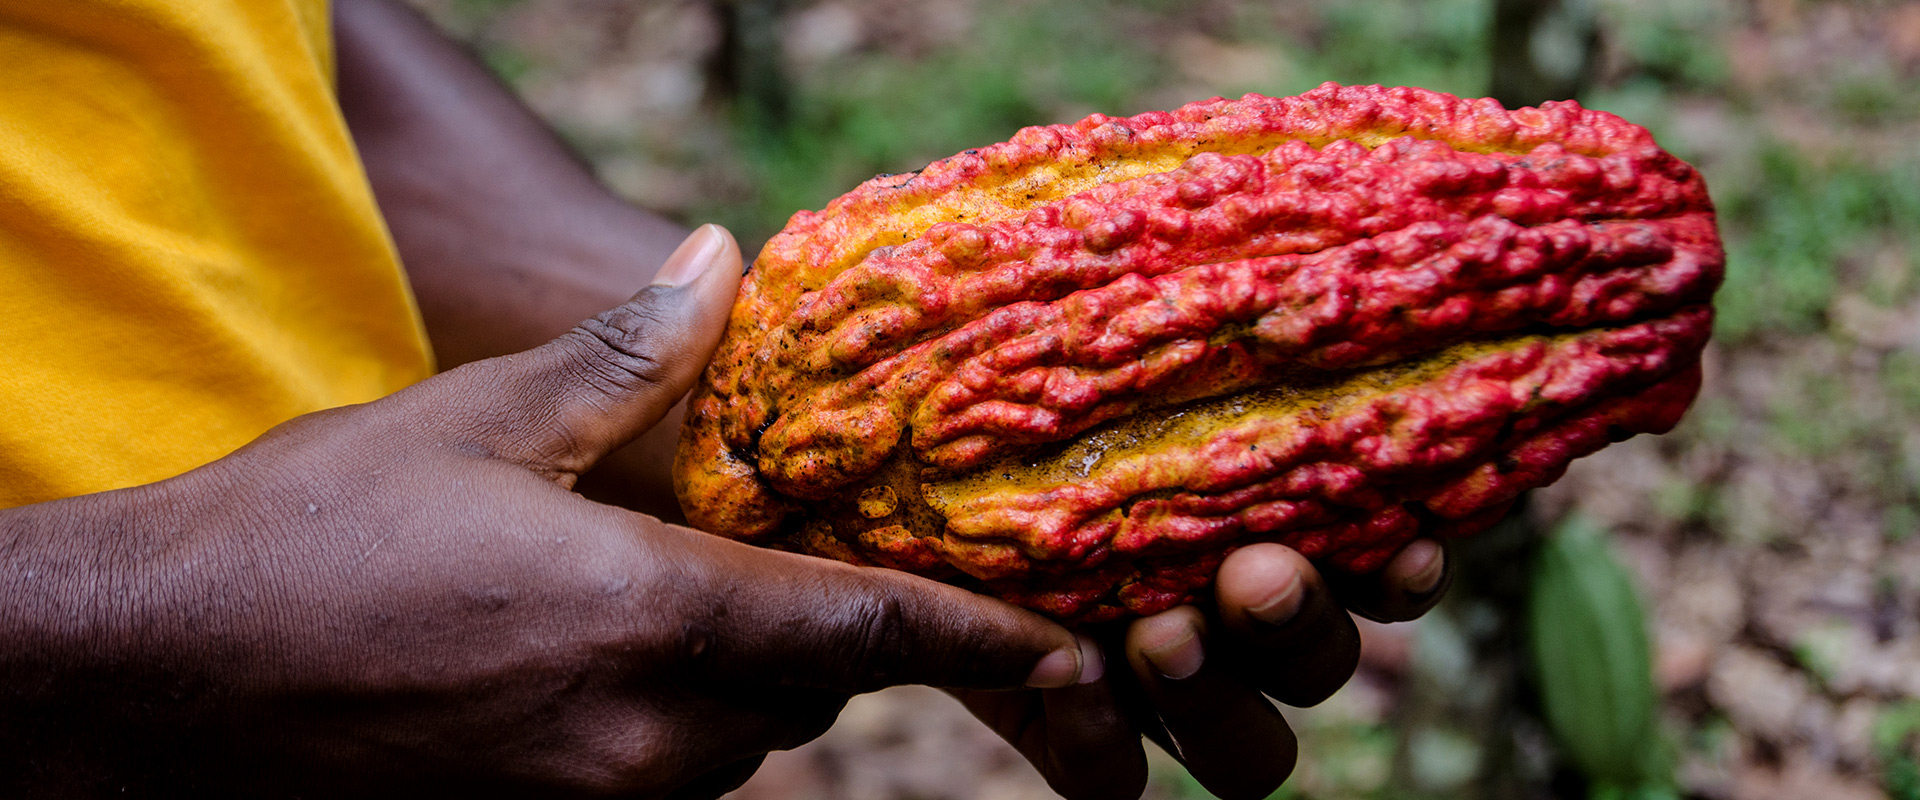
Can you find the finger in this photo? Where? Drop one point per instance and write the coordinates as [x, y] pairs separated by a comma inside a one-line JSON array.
[[639, 476], [747, 720], [716, 731], [1410, 585], [1285, 630], [560, 407], [811, 622], [1092, 750], [1076, 737], [1229, 737], [720, 781]]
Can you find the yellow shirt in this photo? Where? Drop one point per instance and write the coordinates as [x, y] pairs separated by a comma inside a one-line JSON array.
[[189, 250]]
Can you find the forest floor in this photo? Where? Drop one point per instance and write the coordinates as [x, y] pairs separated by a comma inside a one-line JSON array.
[[1772, 534]]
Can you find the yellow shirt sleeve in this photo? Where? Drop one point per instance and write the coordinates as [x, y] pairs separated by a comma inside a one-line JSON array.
[[189, 250]]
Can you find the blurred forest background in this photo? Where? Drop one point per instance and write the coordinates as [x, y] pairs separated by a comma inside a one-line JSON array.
[[1771, 537]]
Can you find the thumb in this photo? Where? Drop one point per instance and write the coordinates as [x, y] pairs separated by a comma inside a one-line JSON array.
[[564, 405]]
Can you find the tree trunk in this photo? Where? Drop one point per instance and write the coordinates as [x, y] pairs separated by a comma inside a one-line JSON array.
[[1542, 50]]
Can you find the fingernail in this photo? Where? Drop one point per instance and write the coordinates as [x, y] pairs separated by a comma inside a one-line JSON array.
[[694, 256], [1178, 659], [1280, 605], [1056, 669], [1428, 560], [1092, 663]]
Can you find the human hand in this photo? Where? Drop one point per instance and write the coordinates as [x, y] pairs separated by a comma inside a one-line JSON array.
[[403, 597], [1194, 678]]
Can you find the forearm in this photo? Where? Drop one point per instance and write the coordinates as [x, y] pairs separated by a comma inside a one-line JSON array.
[[63, 567], [507, 237], [77, 697]]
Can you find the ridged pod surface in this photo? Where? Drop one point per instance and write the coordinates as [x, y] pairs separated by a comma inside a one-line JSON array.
[[1077, 368]]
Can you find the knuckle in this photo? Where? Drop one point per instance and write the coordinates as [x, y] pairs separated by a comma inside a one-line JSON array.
[[696, 646], [878, 636], [627, 348]]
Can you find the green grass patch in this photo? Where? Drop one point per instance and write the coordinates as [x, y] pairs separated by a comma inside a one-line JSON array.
[[1436, 44], [1900, 376], [867, 114], [1029, 63], [1896, 738], [1676, 42], [1813, 416], [1790, 233], [1899, 522]]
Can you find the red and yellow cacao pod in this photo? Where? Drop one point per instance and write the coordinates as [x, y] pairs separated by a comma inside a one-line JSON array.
[[1077, 368]]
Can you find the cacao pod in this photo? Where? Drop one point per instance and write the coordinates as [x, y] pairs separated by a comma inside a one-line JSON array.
[[1077, 368]]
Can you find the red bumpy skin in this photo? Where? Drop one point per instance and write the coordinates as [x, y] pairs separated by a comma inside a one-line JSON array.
[[1076, 369]]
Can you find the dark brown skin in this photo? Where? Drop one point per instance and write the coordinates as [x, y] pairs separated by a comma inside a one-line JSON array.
[[1196, 678], [404, 597], [508, 239]]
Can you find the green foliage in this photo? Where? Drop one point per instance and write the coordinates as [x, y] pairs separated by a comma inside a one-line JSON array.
[[1612, 792], [1789, 233], [1873, 98], [1903, 778], [1676, 43], [1899, 522], [1802, 419], [478, 9], [1437, 44], [509, 64], [1822, 649], [1896, 738], [1900, 376], [1029, 63], [1682, 500], [869, 115], [1594, 663], [1791, 222], [466, 18]]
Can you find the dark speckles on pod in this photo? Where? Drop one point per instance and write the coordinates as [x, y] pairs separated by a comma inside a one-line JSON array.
[[1111, 134], [1077, 366]]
